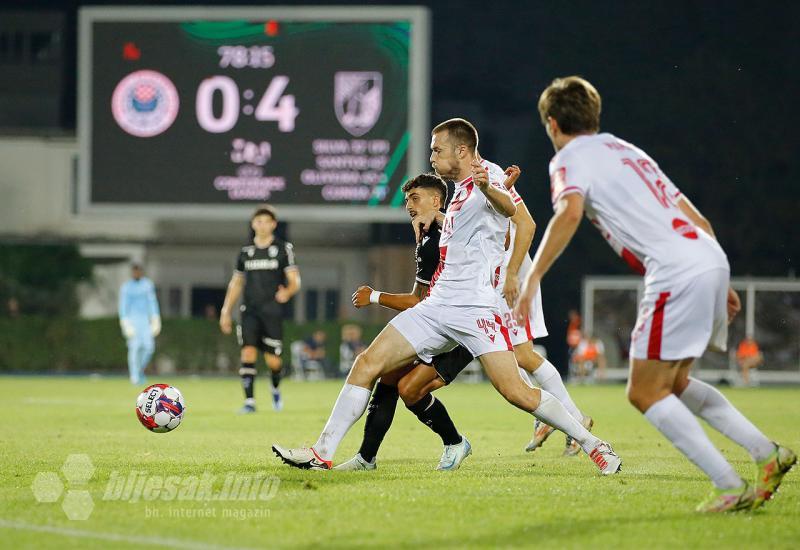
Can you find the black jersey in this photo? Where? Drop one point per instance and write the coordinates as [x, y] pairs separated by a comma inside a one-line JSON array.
[[264, 270], [427, 255]]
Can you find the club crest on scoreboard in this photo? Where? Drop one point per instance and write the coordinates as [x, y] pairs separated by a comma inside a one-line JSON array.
[[145, 103], [358, 100]]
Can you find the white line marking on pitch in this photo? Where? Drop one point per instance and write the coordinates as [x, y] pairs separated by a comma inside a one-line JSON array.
[[83, 534]]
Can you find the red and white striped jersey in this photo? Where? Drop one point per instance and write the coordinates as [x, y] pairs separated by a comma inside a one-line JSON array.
[[634, 205], [471, 246]]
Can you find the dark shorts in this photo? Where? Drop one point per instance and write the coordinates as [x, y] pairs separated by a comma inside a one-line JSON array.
[[261, 330], [449, 365]]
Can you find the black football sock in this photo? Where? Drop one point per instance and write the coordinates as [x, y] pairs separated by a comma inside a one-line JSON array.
[[433, 414], [276, 379], [380, 414], [248, 374]]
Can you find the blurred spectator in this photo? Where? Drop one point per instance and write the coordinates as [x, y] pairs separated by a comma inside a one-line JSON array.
[[315, 352], [351, 345], [589, 359], [12, 308], [210, 312], [749, 356]]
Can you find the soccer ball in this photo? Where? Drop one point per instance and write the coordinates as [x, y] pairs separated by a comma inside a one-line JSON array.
[[160, 408]]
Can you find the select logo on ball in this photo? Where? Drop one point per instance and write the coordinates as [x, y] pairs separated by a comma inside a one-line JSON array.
[[145, 103], [160, 408]]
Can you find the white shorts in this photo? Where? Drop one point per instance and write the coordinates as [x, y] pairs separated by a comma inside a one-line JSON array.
[[433, 329], [682, 320], [533, 328]]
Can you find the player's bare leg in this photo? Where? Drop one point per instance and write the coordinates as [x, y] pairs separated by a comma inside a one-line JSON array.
[[650, 389], [389, 351], [416, 392], [247, 372], [501, 368], [772, 460], [547, 377], [275, 364]]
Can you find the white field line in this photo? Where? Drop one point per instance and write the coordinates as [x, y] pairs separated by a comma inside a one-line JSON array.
[[116, 537]]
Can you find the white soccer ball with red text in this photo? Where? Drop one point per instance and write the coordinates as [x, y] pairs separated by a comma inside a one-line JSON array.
[[160, 408]]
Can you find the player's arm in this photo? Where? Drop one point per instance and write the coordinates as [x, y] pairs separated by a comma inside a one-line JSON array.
[[512, 175], [366, 295], [124, 323], [423, 222], [690, 211], [285, 293], [232, 296], [292, 274], [559, 232], [523, 238], [155, 312], [500, 200]]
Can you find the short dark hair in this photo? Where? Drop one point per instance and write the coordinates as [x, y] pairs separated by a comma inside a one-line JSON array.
[[574, 103], [427, 181], [264, 210], [460, 131]]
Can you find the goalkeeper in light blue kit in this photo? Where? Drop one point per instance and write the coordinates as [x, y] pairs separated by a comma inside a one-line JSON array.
[[140, 320]]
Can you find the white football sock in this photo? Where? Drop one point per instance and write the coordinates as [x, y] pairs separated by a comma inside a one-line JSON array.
[[553, 412], [549, 379], [677, 423], [349, 406], [709, 404]]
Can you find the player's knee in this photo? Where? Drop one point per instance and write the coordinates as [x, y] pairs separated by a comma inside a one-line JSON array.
[[409, 392], [274, 362], [366, 368], [521, 396], [639, 397], [248, 354]]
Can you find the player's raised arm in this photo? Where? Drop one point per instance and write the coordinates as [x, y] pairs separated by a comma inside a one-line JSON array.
[[512, 175], [499, 198], [523, 238], [559, 232]]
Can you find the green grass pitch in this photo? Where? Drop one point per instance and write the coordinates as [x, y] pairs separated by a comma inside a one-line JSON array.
[[501, 496]]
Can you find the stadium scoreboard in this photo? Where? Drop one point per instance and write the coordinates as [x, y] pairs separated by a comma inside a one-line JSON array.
[[206, 111]]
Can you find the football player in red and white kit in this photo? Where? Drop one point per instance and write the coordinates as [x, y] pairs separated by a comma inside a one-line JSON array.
[[687, 302], [522, 334], [462, 308]]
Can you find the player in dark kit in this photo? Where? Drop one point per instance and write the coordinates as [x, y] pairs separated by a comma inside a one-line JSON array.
[[262, 268], [424, 192]]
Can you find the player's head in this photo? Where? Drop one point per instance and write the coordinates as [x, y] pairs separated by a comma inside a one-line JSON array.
[[136, 271], [424, 193], [263, 221], [454, 143], [569, 107]]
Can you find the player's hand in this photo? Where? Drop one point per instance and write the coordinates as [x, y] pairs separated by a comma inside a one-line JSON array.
[[511, 289], [734, 304], [155, 325], [282, 295], [361, 296], [422, 223], [479, 174], [522, 311], [512, 175], [225, 323], [127, 329]]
